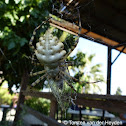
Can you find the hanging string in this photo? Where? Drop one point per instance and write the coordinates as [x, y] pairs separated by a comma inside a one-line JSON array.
[[8, 60]]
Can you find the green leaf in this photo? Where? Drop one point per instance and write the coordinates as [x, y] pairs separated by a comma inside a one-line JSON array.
[[11, 45], [23, 41]]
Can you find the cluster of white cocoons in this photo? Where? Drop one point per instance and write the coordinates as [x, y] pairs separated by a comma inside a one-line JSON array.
[[49, 49]]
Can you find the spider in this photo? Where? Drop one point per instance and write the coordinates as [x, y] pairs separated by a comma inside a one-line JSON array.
[[51, 54]]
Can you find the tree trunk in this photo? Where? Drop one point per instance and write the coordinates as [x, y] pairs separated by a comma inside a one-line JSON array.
[[24, 83]]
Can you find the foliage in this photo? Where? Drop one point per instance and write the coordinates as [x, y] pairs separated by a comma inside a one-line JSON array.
[[5, 123], [5, 96], [84, 71], [18, 18], [118, 91], [39, 104]]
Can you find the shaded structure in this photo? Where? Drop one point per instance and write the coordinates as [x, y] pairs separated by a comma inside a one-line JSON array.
[[105, 18]]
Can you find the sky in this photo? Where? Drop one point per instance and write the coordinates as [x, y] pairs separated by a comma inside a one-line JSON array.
[[118, 68]]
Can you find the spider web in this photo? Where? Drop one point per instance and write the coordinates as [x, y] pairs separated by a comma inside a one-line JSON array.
[[60, 88], [63, 95]]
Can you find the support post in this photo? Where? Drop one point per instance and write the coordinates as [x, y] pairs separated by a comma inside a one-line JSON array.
[[53, 109], [109, 70], [80, 114], [24, 83]]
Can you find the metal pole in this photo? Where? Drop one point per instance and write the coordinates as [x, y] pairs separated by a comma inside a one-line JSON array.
[[109, 70], [80, 114]]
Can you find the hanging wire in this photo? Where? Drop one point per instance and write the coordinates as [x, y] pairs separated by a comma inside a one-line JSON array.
[[79, 21], [85, 4], [8, 60]]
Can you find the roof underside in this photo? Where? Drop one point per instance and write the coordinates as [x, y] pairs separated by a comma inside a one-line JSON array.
[[106, 18]]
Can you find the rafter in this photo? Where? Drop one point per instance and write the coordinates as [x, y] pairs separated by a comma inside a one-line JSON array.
[[73, 29]]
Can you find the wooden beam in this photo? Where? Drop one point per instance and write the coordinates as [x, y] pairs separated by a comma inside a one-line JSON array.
[[74, 29], [42, 117], [103, 97], [109, 105], [53, 109], [47, 95], [113, 103], [105, 102]]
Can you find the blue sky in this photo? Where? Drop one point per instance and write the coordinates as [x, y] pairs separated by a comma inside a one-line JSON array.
[[118, 68]]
